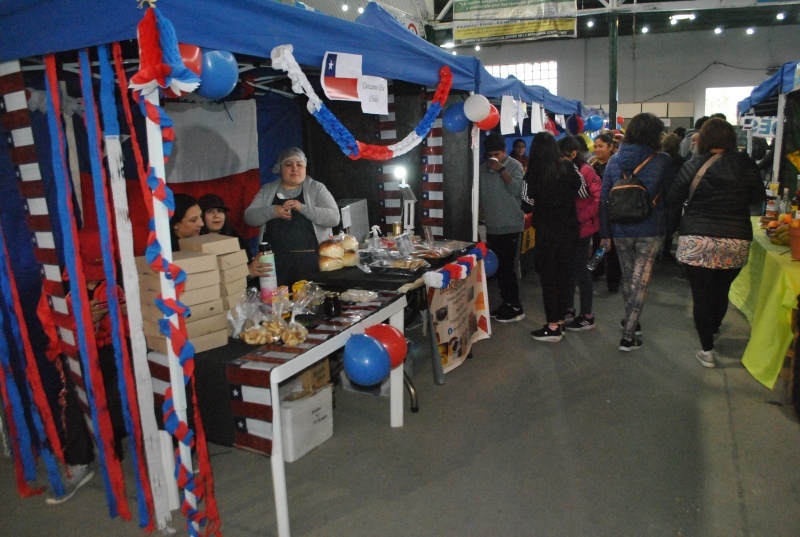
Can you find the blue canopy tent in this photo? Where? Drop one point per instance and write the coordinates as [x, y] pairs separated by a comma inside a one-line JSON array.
[[780, 82]]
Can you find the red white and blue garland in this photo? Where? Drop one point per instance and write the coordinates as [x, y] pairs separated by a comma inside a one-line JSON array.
[[158, 44], [282, 58], [439, 279]]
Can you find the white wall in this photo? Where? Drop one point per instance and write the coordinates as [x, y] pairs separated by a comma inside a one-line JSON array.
[[652, 64]]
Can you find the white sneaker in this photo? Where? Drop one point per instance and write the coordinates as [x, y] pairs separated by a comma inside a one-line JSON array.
[[77, 477], [706, 358]]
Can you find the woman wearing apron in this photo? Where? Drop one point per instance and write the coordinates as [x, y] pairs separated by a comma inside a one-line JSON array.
[[295, 215]]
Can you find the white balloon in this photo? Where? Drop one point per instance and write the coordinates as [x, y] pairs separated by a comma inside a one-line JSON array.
[[476, 108]]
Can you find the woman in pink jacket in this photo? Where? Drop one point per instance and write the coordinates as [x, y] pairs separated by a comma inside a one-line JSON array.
[[589, 222]]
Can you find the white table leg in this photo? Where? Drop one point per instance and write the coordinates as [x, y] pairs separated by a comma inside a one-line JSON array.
[[278, 466], [396, 391]]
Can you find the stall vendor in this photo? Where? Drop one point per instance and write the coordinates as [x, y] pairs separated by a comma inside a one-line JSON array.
[[186, 221], [295, 215]]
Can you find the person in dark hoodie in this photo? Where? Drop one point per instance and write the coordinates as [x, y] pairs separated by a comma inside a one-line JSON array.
[[686, 143], [637, 244]]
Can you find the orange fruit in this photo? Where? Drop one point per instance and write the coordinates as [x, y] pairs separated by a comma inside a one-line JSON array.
[[773, 224], [794, 224], [785, 218]]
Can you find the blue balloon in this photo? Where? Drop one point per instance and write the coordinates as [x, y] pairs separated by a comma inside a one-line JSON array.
[[593, 123], [490, 263], [454, 118], [220, 73], [366, 361]]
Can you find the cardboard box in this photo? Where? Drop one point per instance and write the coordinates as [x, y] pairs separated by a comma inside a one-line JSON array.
[[197, 311], [195, 280], [226, 261], [201, 343], [232, 288], [190, 262], [213, 243], [234, 273], [189, 298], [194, 328], [316, 376], [307, 423]]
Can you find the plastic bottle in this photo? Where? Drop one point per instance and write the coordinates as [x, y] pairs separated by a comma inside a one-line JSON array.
[[786, 204], [595, 260], [268, 281], [796, 204]]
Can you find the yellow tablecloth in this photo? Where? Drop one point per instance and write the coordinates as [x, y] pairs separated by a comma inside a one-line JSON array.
[[766, 292]]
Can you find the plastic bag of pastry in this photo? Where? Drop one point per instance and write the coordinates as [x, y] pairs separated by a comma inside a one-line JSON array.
[[274, 322], [294, 334], [246, 313]]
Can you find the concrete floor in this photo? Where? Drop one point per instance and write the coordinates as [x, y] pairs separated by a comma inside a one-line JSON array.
[[525, 439]]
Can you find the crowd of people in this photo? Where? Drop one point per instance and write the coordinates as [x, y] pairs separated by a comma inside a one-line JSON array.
[[700, 189]]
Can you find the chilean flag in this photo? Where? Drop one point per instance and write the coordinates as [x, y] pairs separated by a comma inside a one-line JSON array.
[[340, 73]]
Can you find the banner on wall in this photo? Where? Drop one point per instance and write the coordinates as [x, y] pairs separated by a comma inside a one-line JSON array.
[[486, 21], [760, 126], [460, 314]]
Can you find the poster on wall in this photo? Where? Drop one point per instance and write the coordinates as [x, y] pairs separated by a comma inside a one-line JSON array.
[[460, 314], [486, 21]]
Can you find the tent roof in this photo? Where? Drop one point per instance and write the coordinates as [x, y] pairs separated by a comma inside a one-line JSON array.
[[780, 82], [255, 27]]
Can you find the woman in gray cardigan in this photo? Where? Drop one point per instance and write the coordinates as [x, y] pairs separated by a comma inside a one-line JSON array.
[[295, 214]]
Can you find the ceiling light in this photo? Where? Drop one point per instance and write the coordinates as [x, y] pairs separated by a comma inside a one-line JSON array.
[[454, 53], [717, 30], [477, 47], [449, 44], [345, 7], [645, 29], [780, 16], [360, 9], [590, 24], [673, 21], [750, 31], [682, 17]]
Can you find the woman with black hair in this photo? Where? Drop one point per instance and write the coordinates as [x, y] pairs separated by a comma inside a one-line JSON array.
[[186, 221], [588, 211], [551, 186], [215, 218], [637, 244]]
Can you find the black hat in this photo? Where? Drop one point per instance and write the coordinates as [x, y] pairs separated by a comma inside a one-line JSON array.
[[212, 201], [494, 142]]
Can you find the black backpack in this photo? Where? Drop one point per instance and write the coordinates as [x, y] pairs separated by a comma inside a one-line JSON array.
[[628, 201]]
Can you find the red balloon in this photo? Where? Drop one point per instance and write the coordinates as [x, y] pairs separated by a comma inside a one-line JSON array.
[[490, 121], [393, 341], [192, 57], [550, 126], [620, 120]]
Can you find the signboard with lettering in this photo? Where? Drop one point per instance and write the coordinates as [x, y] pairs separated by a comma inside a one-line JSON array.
[[760, 126], [485, 21]]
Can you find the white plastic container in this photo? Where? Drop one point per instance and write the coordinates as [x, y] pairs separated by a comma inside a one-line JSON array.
[[307, 423]]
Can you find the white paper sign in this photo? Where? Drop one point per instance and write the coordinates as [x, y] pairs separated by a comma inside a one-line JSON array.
[[508, 114], [346, 220], [373, 92]]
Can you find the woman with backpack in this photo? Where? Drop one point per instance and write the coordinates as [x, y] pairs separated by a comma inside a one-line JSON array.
[[637, 242]]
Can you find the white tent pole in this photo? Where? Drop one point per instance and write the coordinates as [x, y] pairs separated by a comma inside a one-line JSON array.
[[476, 146], [778, 145], [155, 153]]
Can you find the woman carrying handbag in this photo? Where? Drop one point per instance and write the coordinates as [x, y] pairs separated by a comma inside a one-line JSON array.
[[716, 190]]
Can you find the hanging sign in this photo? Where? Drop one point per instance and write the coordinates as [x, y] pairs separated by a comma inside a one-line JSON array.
[[485, 21], [760, 126]]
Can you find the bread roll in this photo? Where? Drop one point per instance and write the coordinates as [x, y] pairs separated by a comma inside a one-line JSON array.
[[327, 264], [349, 243], [350, 259], [331, 248]]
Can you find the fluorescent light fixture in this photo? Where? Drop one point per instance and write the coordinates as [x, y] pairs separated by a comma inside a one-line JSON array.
[[682, 17], [717, 30], [477, 47], [590, 23], [750, 31], [780, 16], [449, 44], [645, 29]]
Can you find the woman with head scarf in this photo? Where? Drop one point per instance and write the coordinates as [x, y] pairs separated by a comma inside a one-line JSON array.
[[295, 214]]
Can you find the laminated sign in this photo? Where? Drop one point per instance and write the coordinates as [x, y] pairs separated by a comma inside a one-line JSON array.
[[486, 21]]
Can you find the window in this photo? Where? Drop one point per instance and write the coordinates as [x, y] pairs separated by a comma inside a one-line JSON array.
[[533, 74], [725, 100]]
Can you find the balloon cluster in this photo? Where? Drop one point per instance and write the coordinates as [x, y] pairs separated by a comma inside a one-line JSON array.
[[217, 69], [369, 357], [477, 109]]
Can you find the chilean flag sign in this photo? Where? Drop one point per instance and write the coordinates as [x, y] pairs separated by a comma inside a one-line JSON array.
[[340, 74]]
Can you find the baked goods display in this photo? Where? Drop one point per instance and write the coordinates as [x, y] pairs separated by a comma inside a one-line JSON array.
[[338, 252], [408, 263]]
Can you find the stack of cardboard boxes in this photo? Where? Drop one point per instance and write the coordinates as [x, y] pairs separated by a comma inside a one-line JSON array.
[[216, 276]]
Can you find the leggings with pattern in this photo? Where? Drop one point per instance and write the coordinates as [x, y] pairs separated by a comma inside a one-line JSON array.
[[636, 257]]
